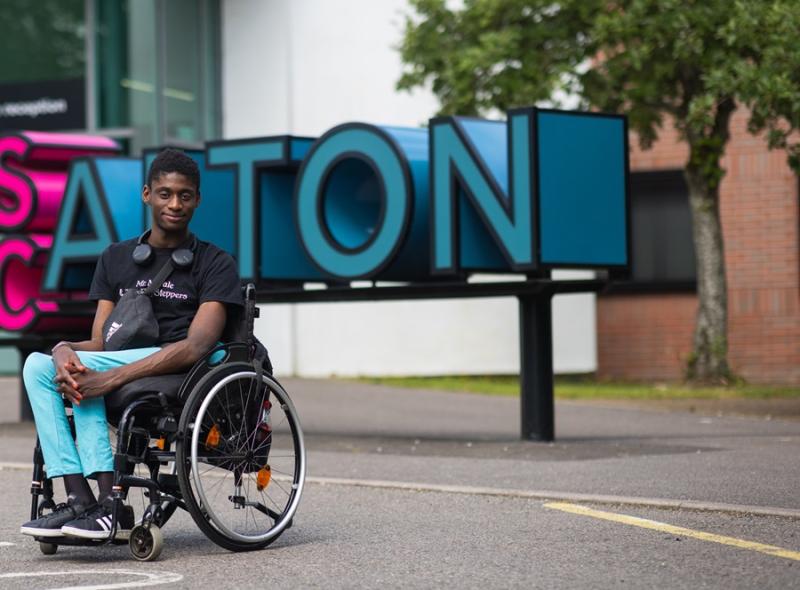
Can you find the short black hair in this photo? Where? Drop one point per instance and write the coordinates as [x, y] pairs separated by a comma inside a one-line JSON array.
[[172, 160]]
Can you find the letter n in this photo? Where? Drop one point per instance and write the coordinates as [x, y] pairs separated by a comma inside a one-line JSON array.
[[488, 164]]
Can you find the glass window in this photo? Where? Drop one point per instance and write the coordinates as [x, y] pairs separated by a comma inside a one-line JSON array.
[[126, 70], [182, 91], [663, 249], [157, 64]]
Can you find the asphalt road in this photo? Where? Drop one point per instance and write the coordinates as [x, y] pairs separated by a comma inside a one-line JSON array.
[[385, 525]]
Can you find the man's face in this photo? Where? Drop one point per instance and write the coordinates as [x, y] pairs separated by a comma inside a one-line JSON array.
[[173, 198]]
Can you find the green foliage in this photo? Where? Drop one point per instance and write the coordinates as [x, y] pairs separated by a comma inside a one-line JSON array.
[[479, 58], [45, 38], [588, 388], [692, 60]]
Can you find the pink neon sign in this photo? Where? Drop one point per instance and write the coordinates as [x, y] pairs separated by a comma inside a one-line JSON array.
[[33, 174]]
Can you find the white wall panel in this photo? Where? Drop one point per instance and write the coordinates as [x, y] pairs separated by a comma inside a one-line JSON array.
[[255, 68], [303, 67], [345, 67]]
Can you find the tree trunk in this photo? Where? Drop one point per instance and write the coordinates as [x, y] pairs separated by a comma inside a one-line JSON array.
[[709, 360]]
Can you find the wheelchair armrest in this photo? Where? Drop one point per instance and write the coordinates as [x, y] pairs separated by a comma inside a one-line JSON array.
[[222, 353]]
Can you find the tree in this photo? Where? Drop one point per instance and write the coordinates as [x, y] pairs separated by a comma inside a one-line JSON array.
[[46, 39], [690, 61]]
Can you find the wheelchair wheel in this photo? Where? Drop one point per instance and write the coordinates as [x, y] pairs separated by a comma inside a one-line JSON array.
[[146, 543], [240, 456]]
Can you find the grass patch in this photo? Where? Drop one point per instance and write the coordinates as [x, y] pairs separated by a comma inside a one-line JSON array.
[[587, 388]]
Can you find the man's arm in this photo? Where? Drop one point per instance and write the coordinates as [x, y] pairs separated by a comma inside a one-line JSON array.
[[204, 332]]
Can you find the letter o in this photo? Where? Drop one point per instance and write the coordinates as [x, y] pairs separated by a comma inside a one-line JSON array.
[[331, 224]]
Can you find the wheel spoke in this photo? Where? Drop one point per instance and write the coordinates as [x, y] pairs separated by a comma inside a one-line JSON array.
[[217, 486], [246, 406], [276, 470], [277, 483], [252, 435]]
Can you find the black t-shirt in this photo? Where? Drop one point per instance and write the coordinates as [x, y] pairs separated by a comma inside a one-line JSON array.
[[212, 277]]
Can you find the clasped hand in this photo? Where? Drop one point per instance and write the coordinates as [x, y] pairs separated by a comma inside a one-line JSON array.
[[75, 381]]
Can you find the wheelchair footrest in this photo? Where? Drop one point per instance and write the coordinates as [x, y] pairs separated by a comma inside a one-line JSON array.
[[79, 542]]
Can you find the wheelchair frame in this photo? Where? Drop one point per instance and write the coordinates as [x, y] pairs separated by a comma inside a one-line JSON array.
[[178, 433]]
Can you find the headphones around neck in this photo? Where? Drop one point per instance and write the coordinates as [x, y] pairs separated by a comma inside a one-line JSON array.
[[181, 257]]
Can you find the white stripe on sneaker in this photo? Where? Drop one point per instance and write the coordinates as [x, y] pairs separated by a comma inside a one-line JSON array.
[[102, 524], [83, 533], [38, 532]]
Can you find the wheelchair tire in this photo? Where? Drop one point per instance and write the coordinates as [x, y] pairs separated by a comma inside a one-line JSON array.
[[146, 543], [247, 441]]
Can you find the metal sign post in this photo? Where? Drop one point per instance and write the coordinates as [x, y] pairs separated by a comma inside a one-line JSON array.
[[537, 412]]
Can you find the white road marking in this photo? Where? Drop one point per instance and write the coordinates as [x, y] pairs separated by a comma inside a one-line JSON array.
[[698, 506], [6, 544], [15, 466], [792, 513], [151, 578]]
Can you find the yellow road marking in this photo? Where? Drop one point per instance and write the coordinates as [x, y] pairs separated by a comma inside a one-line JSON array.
[[675, 530]]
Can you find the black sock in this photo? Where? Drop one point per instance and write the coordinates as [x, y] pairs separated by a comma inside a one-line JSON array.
[[77, 487], [105, 481]]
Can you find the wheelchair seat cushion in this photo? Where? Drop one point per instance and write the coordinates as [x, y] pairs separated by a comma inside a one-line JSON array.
[[118, 400]]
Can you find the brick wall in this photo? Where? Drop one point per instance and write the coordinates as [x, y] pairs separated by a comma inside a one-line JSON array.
[[649, 336]]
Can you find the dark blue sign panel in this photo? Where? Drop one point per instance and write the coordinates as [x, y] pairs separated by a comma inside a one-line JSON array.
[[583, 209]]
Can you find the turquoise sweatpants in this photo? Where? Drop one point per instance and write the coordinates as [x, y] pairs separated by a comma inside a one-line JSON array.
[[93, 450]]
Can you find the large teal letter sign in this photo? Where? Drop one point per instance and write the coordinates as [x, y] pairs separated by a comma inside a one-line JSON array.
[[472, 155], [244, 158], [102, 204], [355, 199], [265, 171], [545, 189]]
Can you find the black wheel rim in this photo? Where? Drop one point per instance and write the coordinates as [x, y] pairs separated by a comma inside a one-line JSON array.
[[141, 542]]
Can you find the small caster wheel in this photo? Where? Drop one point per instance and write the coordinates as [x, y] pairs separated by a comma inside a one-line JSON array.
[[146, 543], [48, 548]]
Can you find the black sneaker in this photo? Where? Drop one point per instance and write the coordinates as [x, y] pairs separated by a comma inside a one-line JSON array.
[[96, 523], [50, 525]]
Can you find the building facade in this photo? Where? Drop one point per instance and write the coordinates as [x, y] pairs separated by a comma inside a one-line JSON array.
[[182, 72], [319, 64], [155, 72], [644, 330]]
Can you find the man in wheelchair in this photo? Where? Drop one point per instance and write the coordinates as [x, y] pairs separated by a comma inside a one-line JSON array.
[[190, 309]]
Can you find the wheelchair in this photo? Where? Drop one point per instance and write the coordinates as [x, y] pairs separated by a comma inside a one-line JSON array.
[[222, 442]]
